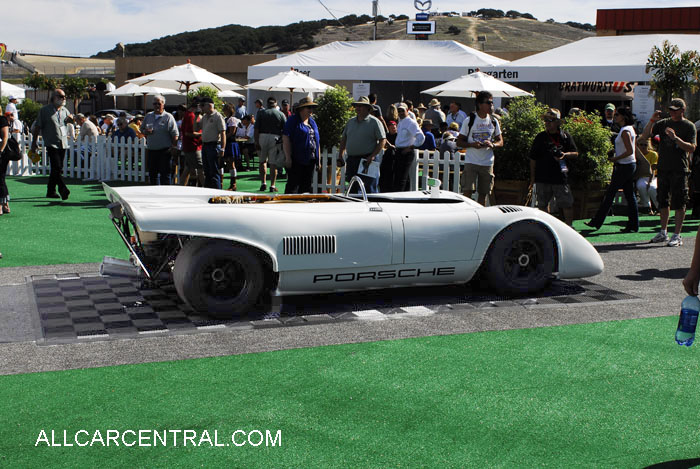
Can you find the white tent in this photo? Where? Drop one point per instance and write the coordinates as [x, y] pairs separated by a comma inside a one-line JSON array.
[[594, 59], [394, 60], [12, 90]]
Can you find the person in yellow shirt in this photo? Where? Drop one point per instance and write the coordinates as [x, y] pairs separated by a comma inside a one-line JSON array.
[[135, 124], [646, 185]]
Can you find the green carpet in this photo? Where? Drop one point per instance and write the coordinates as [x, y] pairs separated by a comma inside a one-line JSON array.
[[42, 231], [613, 394]]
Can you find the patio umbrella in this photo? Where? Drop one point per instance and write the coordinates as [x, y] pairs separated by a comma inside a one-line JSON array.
[[292, 81], [132, 89], [186, 77], [468, 86], [230, 94]]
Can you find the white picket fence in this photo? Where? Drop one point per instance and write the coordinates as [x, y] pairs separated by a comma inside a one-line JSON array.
[[101, 159], [97, 158]]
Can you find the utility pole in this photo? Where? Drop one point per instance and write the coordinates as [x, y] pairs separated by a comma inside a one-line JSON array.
[[375, 10]]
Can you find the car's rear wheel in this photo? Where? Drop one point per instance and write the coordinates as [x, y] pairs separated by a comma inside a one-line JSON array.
[[521, 259], [218, 278]]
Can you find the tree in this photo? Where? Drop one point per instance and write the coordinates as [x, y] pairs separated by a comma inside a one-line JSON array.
[[673, 71], [209, 92], [513, 14], [75, 89], [333, 111], [28, 111], [35, 81], [453, 30]]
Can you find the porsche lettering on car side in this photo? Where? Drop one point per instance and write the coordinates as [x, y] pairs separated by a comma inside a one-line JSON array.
[[222, 249]]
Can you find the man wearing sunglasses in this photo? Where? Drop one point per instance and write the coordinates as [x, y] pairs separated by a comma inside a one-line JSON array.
[[676, 147], [548, 167], [480, 134]]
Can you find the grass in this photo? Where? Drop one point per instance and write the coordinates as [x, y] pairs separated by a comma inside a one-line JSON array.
[[42, 231], [614, 394]]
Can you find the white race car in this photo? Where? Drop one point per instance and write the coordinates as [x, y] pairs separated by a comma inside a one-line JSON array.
[[223, 249]]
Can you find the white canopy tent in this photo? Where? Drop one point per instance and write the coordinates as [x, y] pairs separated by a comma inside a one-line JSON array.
[[393, 60], [12, 90], [594, 59]]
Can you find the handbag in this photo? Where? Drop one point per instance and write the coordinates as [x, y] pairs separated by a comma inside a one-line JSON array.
[[643, 167], [12, 151]]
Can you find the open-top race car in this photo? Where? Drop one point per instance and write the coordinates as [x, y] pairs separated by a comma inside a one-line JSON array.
[[224, 249]]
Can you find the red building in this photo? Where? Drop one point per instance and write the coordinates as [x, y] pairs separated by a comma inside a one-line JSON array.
[[623, 21]]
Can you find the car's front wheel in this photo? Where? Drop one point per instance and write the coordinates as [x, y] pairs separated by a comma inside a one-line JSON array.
[[521, 259], [218, 278]]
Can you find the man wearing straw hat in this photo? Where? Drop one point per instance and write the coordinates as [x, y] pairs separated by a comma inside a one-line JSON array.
[[363, 138], [435, 115]]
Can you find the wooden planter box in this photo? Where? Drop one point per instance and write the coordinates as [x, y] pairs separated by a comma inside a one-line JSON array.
[[586, 199], [509, 192]]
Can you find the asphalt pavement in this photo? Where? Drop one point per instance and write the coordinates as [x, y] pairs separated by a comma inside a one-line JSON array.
[[649, 272]]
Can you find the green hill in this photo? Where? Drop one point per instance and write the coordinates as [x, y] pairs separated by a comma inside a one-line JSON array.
[[501, 35]]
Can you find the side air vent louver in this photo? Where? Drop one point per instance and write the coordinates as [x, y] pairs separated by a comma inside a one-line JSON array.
[[509, 209], [303, 245]]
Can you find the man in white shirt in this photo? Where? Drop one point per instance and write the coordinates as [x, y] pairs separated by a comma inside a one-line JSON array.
[[480, 134], [87, 128], [408, 137], [12, 107], [16, 126], [456, 114]]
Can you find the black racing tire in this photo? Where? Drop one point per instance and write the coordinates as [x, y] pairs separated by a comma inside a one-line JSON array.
[[218, 278], [521, 259]]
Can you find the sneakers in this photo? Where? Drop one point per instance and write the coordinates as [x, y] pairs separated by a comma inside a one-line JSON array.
[[676, 240], [661, 237], [232, 187], [273, 189], [263, 188]]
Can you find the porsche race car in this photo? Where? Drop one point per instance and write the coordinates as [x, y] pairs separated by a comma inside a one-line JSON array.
[[223, 250]]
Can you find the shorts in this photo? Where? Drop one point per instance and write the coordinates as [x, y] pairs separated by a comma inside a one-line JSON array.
[[674, 185], [476, 175], [193, 159], [561, 193], [270, 150]]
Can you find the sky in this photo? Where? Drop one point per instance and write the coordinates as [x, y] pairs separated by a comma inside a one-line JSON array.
[[86, 27]]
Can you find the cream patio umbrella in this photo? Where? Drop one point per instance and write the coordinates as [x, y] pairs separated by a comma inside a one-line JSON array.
[[290, 81], [468, 86], [186, 77], [132, 89]]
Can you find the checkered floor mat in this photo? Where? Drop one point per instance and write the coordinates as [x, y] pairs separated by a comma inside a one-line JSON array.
[[89, 307]]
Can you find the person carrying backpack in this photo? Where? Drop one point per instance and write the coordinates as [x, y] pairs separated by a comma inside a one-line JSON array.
[[480, 134]]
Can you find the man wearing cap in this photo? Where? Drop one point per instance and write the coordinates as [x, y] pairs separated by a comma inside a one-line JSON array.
[[676, 146], [16, 126], [429, 143], [108, 125], [286, 109], [480, 134], [213, 129], [408, 138], [51, 125], [435, 115], [135, 124], [12, 107], [241, 110], [363, 138], [269, 124], [161, 132], [548, 169]]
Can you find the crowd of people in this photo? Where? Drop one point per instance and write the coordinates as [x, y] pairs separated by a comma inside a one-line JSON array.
[[203, 145]]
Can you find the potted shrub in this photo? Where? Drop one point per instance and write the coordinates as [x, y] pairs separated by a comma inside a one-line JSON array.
[[512, 163], [589, 172]]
